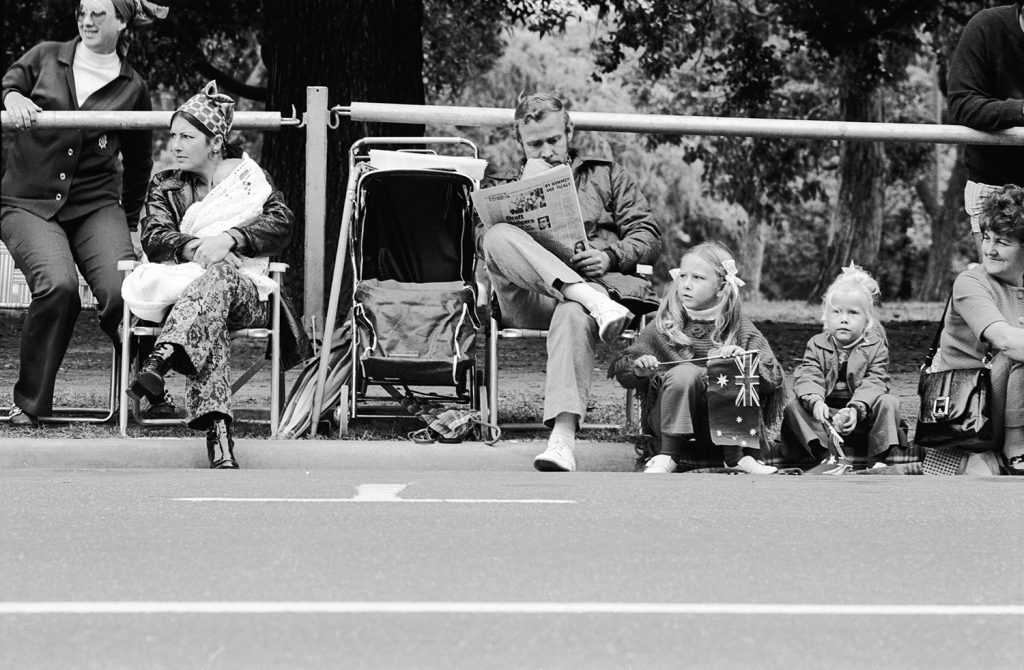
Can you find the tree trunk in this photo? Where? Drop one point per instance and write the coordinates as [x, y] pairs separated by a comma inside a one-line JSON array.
[[752, 245], [360, 50], [855, 226], [948, 223]]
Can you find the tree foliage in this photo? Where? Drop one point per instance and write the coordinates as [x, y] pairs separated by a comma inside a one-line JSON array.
[[804, 206]]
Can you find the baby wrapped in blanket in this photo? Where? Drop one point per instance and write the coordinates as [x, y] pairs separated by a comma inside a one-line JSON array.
[[153, 288]]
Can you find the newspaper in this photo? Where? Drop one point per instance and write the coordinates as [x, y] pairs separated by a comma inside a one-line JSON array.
[[544, 205]]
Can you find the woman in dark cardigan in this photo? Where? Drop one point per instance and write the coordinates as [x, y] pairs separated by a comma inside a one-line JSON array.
[[71, 196]]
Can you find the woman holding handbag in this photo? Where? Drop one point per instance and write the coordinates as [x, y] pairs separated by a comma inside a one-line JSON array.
[[985, 318]]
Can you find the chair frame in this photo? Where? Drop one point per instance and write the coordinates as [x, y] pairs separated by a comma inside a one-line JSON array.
[[14, 294], [131, 329]]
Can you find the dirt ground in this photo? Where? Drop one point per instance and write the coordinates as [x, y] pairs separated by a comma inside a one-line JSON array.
[[521, 366]]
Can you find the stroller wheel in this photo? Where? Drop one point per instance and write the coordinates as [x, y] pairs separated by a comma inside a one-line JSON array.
[[341, 414]]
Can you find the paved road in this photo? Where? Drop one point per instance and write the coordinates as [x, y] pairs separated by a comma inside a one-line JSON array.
[[201, 569]]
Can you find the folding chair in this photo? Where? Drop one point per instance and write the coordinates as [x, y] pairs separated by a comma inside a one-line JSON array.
[[132, 330], [498, 331], [15, 294]]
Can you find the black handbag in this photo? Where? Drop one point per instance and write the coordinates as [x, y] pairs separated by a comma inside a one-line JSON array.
[[955, 405]]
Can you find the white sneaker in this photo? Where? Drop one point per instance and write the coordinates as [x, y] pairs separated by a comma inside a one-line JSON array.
[[660, 464], [612, 318], [752, 466], [557, 457]]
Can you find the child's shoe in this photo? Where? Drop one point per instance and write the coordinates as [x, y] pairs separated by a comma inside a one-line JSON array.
[[752, 466], [661, 464]]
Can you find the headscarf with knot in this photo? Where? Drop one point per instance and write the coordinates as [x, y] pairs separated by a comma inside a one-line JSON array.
[[138, 13], [135, 13], [215, 111]]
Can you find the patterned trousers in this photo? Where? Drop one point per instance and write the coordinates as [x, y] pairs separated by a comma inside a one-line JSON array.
[[200, 323]]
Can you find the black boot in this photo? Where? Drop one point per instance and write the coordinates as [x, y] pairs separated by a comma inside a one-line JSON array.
[[150, 379], [220, 446]]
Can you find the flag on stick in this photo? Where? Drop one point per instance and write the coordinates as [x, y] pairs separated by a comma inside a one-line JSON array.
[[734, 406]]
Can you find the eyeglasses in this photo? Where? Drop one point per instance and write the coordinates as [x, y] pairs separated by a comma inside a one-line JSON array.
[[97, 17]]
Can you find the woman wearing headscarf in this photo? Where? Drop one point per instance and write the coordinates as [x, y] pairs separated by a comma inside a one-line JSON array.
[[66, 200], [216, 220]]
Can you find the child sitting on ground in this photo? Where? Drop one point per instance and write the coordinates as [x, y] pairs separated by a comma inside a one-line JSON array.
[[843, 381], [699, 318]]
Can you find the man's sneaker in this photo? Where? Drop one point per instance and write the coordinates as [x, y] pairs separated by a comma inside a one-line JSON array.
[[557, 457], [752, 466], [661, 464], [612, 318]]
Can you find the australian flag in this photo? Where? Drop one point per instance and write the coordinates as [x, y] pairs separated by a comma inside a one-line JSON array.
[[734, 407]]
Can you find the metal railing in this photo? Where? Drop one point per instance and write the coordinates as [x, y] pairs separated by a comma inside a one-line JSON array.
[[690, 125]]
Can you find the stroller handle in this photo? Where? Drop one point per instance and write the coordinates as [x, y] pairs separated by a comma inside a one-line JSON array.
[[367, 141]]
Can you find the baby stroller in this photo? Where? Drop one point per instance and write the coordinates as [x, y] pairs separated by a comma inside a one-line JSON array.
[[414, 318]]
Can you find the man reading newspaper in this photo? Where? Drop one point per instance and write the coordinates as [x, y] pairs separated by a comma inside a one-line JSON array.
[[578, 298]]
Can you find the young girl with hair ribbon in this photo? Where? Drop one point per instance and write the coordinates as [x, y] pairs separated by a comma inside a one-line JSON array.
[[699, 319], [842, 385]]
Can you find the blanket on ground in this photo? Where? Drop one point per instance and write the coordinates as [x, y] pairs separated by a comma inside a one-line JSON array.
[[152, 288]]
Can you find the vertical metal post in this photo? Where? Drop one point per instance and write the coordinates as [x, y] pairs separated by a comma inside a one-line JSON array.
[[317, 116]]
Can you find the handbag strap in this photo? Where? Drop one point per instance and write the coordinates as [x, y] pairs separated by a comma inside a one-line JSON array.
[[934, 348], [938, 334]]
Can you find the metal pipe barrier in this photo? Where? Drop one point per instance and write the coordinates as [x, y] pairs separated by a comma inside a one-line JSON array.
[[110, 120], [690, 125]]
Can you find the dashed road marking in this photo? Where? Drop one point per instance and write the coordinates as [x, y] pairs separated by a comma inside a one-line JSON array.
[[385, 493]]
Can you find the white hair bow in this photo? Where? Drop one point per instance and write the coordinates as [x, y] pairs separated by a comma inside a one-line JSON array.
[[731, 276]]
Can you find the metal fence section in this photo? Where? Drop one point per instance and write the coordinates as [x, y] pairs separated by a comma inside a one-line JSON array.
[[691, 125], [146, 120]]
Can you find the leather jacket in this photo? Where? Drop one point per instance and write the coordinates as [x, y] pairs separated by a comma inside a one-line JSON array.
[[171, 192]]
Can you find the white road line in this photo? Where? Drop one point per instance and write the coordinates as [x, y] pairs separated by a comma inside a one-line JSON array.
[[377, 493], [416, 607], [489, 501]]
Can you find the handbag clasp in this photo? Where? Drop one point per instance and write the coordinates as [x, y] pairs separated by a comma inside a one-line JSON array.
[[940, 407]]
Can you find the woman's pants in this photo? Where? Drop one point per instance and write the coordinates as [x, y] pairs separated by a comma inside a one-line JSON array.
[[47, 252], [200, 323]]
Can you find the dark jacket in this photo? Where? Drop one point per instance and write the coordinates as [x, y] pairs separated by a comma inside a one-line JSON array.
[[986, 91], [867, 369], [67, 173], [618, 221], [173, 191]]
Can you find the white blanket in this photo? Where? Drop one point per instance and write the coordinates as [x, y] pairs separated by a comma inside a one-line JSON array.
[[152, 288]]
